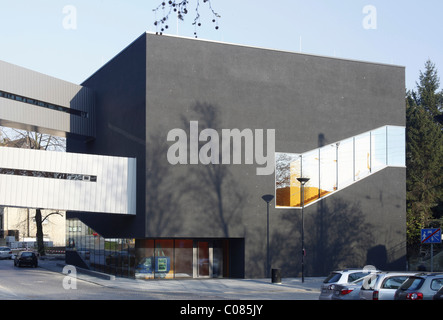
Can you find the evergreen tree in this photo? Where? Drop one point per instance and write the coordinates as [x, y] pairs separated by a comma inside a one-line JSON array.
[[428, 97], [424, 155]]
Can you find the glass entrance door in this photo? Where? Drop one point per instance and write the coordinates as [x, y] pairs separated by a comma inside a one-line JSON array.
[[204, 261]]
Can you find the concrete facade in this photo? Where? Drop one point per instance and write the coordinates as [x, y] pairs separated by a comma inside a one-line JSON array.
[[161, 83]]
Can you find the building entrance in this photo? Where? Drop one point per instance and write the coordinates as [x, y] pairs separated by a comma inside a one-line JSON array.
[[211, 259], [205, 261], [153, 258]]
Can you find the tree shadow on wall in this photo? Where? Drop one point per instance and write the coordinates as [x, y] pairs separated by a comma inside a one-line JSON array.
[[342, 236], [212, 187], [336, 236], [162, 199]]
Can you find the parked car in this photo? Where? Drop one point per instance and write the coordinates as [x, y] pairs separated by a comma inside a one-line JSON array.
[[345, 276], [422, 286], [5, 253], [348, 291], [382, 285], [26, 258], [438, 295]]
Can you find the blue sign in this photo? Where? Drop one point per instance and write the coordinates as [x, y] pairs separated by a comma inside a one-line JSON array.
[[431, 235]]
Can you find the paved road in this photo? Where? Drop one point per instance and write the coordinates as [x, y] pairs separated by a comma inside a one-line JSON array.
[[49, 282]]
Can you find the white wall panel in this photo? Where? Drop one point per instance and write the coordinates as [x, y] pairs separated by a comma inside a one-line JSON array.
[[30, 84], [113, 192]]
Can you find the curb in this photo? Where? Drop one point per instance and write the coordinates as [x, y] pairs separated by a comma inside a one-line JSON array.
[[97, 274]]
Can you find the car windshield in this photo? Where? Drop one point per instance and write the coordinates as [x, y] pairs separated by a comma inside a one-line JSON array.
[[358, 282], [394, 282], [356, 275], [26, 254], [413, 283], [333, 277]]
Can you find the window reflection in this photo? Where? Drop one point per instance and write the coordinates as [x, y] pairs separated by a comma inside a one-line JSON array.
[[396, 146], [336, 166], [378, 148], [146, 258], [328, 169], [362, 156], [183, 258], [112, 256], [345, 163], [287, 165]]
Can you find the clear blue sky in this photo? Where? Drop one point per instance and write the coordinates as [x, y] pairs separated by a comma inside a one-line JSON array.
[[407, 33]]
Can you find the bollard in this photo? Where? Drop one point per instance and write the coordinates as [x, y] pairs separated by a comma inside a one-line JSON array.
[[276, 276]]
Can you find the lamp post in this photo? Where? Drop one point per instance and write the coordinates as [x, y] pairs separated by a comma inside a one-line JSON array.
[[302, 203], [268, 198]]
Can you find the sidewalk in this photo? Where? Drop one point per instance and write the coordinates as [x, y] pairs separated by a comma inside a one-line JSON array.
[[232, 289]]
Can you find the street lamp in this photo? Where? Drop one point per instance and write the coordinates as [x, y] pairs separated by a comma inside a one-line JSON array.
[[268, 198], [302, 202]]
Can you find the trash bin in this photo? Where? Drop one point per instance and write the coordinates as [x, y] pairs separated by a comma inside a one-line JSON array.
[[276, 276]]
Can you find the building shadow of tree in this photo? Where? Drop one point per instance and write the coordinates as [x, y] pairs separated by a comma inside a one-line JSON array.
[[342, 236], [212, 188], [336, 236], [163, 203]]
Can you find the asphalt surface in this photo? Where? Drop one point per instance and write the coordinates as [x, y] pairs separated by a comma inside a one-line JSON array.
[[204, 289]]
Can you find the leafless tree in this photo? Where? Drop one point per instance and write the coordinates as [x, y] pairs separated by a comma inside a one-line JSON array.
[[181, 9], [15, 138]]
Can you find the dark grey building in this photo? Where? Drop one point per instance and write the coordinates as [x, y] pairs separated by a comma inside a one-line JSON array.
[[209, 220]]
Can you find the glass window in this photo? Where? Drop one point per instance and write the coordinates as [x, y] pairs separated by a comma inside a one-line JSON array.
[[183, 258], [144, 259], [396, 146], [362, 165], [287, 168], [394, 282], [436, 284], [100, 251], [164, 255], [295, 172], [356, 275], [412, 283], [333, 277], [43, 104], [203, 258], [220, 264], [328, 169], [378, 148], [345, 163], [310, 168]]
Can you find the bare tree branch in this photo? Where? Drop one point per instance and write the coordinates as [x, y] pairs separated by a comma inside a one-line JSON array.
[[181, 9]]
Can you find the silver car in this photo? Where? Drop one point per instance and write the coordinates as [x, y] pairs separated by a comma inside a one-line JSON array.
[[348, 291], [421, 286], [345, 276], [382, 285], [5, 253]]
